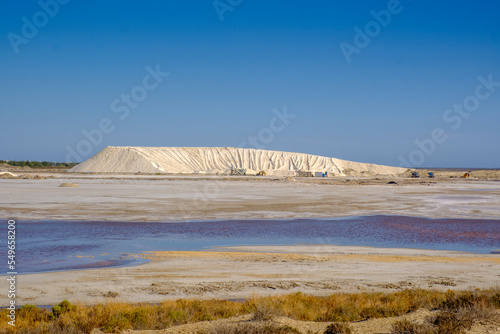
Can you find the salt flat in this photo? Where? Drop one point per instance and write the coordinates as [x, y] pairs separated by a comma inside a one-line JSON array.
[[164, 198]]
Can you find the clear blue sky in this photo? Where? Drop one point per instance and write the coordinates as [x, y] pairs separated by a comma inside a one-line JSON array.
[[226, 77]]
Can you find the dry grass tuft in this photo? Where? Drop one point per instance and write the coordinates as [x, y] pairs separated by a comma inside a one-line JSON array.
[[266, 310], [251, 328], [457, 313], [338, 328], [407, 327]]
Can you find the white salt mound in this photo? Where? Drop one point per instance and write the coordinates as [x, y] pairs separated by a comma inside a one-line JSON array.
[[8, 175], [221, 160], [69, 185]]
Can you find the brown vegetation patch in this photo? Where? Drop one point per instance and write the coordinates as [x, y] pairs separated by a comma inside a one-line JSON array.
[[455, 311]]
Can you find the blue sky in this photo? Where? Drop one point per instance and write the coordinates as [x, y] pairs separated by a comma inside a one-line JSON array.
[[227, 76]]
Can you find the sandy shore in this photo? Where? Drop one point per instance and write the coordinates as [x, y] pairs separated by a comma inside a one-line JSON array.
[[240, 272]]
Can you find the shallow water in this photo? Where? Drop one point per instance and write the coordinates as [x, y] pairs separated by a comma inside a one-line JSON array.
[[61, 245]]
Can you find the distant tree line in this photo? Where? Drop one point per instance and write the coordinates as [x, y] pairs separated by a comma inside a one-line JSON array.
[[39, 164]]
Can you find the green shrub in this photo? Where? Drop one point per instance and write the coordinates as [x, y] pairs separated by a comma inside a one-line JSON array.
[[139, 319], [61, 308]]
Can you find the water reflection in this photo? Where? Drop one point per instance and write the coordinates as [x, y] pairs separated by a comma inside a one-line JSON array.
[[62, 245]]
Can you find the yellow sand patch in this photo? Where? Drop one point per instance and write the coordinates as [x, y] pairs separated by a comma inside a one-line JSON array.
[[289, 257]]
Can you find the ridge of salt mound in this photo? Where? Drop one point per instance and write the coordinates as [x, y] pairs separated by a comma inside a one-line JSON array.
[[220, 160]]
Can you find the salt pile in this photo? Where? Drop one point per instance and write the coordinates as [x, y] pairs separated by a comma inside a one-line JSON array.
[[221, 160]]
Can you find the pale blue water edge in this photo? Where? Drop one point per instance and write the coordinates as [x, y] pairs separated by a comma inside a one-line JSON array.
[[43, 246]]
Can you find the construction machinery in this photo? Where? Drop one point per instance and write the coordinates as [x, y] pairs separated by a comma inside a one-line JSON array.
[[238, 171], [261, 173]]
